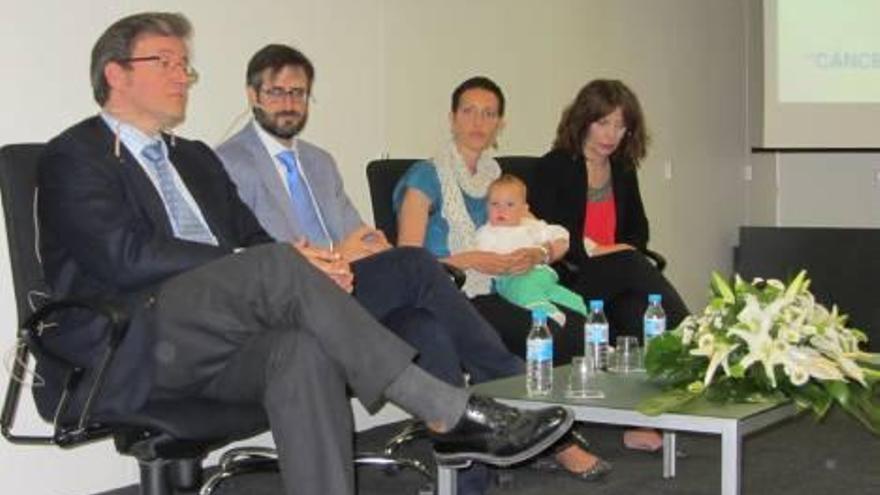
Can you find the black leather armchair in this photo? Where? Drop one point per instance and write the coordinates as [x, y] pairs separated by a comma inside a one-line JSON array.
[[169, 439]]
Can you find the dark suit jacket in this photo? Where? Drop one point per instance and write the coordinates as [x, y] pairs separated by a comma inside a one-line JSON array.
[[105, 234], [558, 194]]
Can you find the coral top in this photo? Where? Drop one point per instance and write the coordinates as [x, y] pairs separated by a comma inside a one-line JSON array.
[[600, 220]]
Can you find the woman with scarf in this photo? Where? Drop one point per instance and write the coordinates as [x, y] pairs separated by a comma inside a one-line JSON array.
[[441, 202]]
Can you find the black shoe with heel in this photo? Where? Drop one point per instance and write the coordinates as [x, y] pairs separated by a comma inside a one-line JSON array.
[[547, 462]]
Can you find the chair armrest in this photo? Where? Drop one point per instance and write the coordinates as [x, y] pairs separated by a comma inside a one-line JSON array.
[[30, 342], [458, 275], [567, 270], [117, 324], [657, 258]]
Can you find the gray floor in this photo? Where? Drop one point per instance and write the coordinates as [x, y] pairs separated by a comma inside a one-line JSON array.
[[799, 457]]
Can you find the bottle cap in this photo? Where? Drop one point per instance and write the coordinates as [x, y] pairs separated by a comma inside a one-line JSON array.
[[596, 304], [539, 316], [654, 298]]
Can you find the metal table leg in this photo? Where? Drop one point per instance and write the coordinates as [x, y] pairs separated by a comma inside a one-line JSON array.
[[447, 480], [731, 460], [668, 454]]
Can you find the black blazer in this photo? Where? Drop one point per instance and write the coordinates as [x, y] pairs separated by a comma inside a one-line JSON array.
[[105, 234], [558, 194]]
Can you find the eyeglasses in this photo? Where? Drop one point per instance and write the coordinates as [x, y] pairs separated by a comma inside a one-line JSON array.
[[277, 94], [473, 111], [168, 65]]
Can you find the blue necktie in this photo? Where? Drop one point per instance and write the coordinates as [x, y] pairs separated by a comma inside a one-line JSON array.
[[301, 199], [187, 224]]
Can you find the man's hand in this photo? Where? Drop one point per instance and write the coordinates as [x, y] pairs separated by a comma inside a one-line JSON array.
[[332, 264], [363, 242]]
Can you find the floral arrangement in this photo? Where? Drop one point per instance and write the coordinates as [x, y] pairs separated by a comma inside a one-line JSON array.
[[765, 341]]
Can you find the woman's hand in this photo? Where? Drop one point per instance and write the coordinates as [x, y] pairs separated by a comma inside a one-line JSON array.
[[524, 259], [481, 261], [610, 248]]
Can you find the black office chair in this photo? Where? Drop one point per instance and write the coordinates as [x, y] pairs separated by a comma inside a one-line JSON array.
[[169, 439], [383, 175]]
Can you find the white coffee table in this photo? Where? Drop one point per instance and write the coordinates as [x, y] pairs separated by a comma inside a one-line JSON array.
[[623, 392]]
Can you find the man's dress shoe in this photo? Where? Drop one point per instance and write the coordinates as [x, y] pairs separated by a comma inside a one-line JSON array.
[[493, 433]]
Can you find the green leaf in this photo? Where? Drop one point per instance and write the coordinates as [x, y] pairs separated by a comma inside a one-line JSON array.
[[811, 396], [858, 401], [870, 358], [737, 371], [720, 287], [794, 287], [871, 376]]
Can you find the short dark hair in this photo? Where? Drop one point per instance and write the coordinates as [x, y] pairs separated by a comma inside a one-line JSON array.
[[276, 57], [593, 102], [478, 82], [117, 42]]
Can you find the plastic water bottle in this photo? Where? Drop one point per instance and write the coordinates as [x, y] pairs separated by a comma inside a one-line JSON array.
[[596, 335], [539, 356], [655, 319]]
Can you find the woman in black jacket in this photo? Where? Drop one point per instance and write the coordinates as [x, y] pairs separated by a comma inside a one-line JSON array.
[[588, 184]]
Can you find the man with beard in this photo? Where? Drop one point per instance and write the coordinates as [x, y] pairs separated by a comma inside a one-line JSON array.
[[295, 190]]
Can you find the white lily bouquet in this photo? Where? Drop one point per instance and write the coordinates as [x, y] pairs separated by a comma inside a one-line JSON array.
[[765, 341]]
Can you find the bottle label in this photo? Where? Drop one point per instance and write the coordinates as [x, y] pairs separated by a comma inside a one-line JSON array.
[[597, 333], [540, 350], [654, 327]]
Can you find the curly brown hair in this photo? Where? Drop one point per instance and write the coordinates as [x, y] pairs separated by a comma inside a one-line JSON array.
[[594, 101]]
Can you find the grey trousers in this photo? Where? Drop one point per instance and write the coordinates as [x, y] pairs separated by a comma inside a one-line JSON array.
[[264, 326]]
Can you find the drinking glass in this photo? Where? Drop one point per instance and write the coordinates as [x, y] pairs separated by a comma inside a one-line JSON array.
[[628, 355], [582, 380]]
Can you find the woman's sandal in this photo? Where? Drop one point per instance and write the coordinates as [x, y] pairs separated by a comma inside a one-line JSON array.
[[548, 463], [679, 452]]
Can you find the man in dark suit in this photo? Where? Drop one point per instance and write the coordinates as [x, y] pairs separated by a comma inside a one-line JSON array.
[[130, 213]]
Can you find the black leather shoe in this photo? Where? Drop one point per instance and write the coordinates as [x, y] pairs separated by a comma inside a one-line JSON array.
[[493, 433]]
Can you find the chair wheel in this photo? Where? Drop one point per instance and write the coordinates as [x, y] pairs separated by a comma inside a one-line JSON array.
[[504, 479], [426, 489], [391, 469]]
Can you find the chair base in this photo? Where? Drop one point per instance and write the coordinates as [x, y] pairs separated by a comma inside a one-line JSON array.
[[164, 476], [241, 460], [247, 460]]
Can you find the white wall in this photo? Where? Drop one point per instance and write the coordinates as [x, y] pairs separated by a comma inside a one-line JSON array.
[[385, 69], [817, 189]]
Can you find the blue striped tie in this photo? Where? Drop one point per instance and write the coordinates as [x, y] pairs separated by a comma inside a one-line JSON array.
[[301, 198], [186, 223]]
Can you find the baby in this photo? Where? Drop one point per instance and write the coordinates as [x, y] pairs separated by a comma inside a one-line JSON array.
[[511, 227]]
